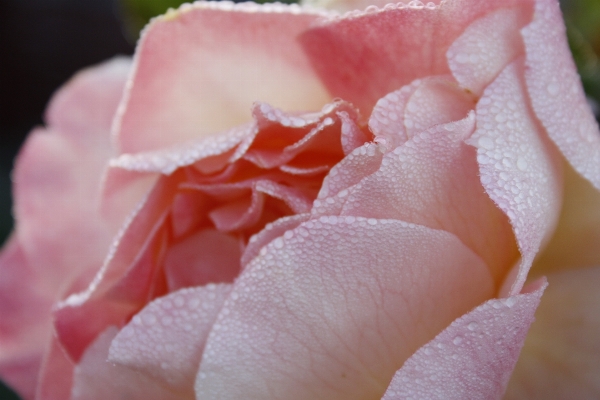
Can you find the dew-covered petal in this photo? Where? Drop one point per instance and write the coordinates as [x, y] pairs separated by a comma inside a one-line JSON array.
[[204, 257], [487, 46], [95, 378], [556, 93], [473, 358], [271, 231], [436, 100], [560, 356], [363, 56], [335, 312], [166, 339], [433, 180], [199, 69], [520, 169], [128, 278]]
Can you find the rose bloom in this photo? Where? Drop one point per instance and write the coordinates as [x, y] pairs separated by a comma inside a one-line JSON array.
[[287, 202]]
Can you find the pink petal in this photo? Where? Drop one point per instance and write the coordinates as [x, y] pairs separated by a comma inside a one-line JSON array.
[[436, 100], [95, 378], [127, 279], [217, 261], [556, 93], [473, 358], [166, 339], [560, 356], [270, 232], [364, 56], [56, 375], [199, 69], [433, 180], [486, 46], [83, 109], [332, 309], [520, 170], [25, 324]]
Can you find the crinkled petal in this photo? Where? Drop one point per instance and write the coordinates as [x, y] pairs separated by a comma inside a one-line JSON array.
[[166, 339], [126, 281], [556, 92], [520, 169], [486, 46], [473, 358], [363, 56], [332, 309], [199, 69], [95, 378], [206, 256], [560, 356]]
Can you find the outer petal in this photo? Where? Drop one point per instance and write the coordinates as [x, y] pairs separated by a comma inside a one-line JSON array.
[[25, 320], [363, 56], [487, 46], [474, 357], [56, 182], [333, 310], [520, 170], [96, 379], [166, 339], [432, 180], [556, 92], [58, 172], [560, 359], [199, 69]]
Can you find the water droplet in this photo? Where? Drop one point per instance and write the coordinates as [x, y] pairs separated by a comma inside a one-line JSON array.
[[457, 340], [553, 88], [522, 164], [486, 143], [472, 326]]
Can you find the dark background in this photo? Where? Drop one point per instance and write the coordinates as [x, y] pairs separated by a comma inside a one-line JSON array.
[[42, 43]]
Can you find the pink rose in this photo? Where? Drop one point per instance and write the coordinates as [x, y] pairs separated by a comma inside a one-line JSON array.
[[303, 204]]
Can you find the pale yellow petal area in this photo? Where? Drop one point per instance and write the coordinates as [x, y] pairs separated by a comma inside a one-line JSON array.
[[561, 356], [576, 241]]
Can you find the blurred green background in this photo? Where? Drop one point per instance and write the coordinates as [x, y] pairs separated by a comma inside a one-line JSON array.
[[43, 42]]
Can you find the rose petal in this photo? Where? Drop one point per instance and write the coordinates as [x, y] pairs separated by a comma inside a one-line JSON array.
[[364, 56], [96, 379], [436, 100], [126, 280], [520, 170], [472, 358], [556, 92], [56, 374], [166, 339], [204, 257], [560, 356], [486, 46], [220, 58], [433, 180], [335, 312], [25, 305]]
